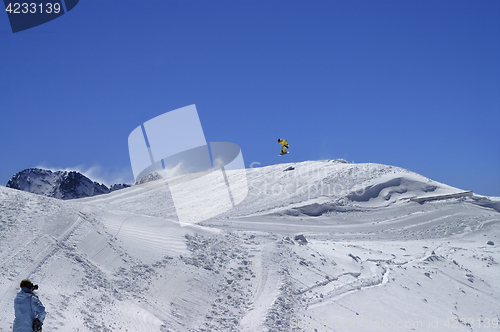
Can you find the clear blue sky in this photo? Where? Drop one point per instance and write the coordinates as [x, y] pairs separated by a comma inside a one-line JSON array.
[[414, 84]]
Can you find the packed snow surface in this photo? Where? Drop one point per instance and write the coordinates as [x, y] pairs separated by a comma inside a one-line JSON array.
[[315, 246]]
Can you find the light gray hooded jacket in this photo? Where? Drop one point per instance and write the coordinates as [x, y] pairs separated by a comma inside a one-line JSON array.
[[27, 307]]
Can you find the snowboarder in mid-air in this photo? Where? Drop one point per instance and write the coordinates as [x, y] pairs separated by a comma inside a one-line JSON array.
[[284, 146], [29, 311]]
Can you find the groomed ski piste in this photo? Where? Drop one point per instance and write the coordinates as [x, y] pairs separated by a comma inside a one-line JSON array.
[[315, 246]]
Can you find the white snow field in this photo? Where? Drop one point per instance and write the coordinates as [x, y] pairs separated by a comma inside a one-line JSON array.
[[315, 246]]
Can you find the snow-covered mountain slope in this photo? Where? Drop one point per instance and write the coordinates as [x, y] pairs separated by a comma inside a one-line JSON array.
[[317, 245], [59, 184], [299, 188]]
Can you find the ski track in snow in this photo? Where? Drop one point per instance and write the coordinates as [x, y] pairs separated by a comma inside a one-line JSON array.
[[120, 262]]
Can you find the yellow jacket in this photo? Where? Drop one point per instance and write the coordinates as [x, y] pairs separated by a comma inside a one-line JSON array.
[[284, 143]]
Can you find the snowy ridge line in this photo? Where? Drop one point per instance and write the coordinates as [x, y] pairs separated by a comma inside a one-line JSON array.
[[438, 197]]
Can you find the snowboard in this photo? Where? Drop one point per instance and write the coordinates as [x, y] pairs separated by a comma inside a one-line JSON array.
[[283, 154]]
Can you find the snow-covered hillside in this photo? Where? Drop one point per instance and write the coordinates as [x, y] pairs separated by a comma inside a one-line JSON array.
[[315, 246], [59, 184]]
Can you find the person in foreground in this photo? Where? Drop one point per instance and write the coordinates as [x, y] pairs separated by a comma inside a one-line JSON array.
[[29, 311]]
